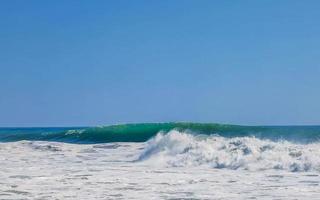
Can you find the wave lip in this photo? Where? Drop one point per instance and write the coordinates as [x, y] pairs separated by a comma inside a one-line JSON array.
[[180, 149]]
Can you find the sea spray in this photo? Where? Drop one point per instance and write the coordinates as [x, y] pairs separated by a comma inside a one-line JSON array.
[[181, 149]]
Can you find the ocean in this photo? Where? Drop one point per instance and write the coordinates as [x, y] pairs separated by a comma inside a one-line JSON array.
[[160, 161]]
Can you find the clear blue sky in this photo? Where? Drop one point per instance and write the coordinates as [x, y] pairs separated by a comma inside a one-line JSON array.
[[65, 63]]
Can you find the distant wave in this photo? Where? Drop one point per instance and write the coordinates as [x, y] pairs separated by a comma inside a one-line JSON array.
[[180, 149], [144, 131]]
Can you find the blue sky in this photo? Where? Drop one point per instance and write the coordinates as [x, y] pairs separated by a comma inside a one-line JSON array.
[[66, 63]]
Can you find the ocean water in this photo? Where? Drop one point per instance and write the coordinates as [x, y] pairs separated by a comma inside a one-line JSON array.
[[161, 161]]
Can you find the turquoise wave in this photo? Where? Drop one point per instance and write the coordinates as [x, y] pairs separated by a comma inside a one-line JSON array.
[[144, 131]]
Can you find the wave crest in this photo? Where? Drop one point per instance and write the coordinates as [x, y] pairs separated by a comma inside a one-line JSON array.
[[180, 149], [144, 131]]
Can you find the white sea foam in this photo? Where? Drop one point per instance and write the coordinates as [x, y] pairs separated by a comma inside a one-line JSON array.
[[55, 170], [183, 149]]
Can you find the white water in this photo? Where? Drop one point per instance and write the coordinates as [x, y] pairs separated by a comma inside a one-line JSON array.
[[172, 166], [182, 149]]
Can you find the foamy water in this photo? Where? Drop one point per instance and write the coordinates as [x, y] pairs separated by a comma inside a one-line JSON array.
[[171, 166], [182, 149]]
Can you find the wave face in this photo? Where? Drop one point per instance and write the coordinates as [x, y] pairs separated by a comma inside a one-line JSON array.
[[145, 131], [290, 148], [180, 149]]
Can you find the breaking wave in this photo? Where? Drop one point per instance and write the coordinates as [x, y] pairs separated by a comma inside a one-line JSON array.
[[144, 131], [179, 149]]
